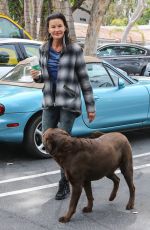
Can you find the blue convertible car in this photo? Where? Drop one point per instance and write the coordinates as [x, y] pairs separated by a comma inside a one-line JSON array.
[[122, 103]]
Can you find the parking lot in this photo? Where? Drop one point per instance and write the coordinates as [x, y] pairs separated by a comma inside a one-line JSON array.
[[28, 187]]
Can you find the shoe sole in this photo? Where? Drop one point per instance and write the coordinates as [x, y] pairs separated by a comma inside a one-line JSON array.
[[62, 198]]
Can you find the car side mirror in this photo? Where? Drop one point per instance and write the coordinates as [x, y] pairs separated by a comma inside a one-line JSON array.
[[121, 83]]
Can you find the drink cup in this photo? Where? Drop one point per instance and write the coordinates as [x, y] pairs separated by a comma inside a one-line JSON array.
[[34, 61]]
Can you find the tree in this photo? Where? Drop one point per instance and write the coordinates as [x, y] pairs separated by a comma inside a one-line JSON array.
[[32, 16], [135, 16], [64, 7], [97, 13], [47, 9], [119, 10], [16, 9], [76, 4], [4, 7], [145, 18]]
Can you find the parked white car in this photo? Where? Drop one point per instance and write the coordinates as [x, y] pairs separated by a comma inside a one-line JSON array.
[[14, 50]]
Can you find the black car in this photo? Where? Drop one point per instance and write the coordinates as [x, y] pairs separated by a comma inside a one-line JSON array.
[[131, 58]]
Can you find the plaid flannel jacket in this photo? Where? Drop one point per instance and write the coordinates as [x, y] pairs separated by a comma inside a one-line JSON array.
[[72, 76]]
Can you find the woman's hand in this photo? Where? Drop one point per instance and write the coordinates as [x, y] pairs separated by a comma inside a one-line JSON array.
[[91, 116], [35, 74]]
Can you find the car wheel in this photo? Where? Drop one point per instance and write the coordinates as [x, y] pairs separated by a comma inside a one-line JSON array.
[[33, 139]]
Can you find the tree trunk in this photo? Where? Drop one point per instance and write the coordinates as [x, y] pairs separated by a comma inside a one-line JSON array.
[[65, 8], [4, 7], [46, 10], [77, 4], [32, 12], [27, 15], [98, 11], [135, 16]]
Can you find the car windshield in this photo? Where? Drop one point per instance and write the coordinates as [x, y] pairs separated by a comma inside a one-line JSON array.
[[21, 73], [101, 74]]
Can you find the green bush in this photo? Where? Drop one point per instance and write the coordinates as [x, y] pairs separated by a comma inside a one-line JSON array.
[[119, 22]]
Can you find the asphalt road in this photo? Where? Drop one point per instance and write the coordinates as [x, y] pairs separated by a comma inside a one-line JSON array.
[[28, 187]]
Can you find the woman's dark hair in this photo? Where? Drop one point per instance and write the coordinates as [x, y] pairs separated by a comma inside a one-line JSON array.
[[62, 17]]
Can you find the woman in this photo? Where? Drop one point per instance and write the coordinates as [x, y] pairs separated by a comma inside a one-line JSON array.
[[63, 72]]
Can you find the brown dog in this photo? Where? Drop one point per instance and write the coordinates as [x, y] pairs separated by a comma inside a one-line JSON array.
[[88, 159]]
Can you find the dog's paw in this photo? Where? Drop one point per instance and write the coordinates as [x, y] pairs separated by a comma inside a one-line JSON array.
[[64, 219], [112, 197], [87, 209], [129, 206]]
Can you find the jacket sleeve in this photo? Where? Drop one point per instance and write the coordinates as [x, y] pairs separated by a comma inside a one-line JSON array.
[[40, 79], [84, 81]]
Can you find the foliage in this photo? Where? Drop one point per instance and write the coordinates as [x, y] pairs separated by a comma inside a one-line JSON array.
[[118, 13], [144, 20], [119, 10], [73, 2], [16, 10], [119, 22]]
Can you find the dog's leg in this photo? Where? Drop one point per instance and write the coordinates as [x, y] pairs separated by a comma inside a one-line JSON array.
[[88, 191], [128, 175], [116, 181], [76, 192]]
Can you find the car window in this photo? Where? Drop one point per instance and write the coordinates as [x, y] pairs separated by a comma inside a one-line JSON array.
[[120, 51], [98, 75], [8, 29], [104, 52], [132, 51], [109, 51], [31, 50], [8, 55], [116, 76], [21, 73]]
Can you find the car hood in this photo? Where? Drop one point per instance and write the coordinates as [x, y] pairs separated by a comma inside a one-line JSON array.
[[4, 70], [18, 99]]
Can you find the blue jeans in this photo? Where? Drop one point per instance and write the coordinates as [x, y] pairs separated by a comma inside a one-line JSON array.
[[56, 117]]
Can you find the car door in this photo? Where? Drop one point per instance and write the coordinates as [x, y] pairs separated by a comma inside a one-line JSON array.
[[30, 49], [10, 55], [112, 54], [10, 29], [132, 59], [116, 107]]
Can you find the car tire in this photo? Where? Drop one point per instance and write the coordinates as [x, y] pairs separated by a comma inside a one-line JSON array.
[[33, 138]]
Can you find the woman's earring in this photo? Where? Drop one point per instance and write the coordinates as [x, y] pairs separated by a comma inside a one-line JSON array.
[[64, 41]]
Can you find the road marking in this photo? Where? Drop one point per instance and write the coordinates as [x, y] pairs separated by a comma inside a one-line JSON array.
[[53, 172], [53, 185], [135, 168], [141, 155], [28, 190], [29, 177]]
